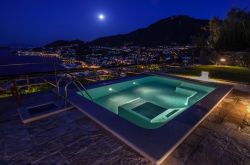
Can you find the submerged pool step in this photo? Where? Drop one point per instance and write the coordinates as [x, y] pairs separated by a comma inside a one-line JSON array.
[[171, 113], [168, 114], [133, 103], [140, 112], [186, 91], [146, 114], [149, 110]]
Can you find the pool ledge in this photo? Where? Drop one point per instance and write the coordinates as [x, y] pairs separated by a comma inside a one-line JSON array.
[[155, 144]]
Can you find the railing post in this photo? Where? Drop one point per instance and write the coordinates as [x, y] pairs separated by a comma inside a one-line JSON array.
[[16, 93], [55, 72], [28, 81]]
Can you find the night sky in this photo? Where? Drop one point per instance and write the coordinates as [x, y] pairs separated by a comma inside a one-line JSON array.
[[37, 22]]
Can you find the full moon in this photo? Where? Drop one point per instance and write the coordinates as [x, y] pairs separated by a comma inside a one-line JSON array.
[[101, 17]]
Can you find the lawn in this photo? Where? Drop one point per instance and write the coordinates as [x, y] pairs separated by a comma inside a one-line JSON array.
[[228, 73]]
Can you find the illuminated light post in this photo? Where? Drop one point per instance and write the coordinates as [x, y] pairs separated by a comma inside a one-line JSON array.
[[222, 61], [204, 75]]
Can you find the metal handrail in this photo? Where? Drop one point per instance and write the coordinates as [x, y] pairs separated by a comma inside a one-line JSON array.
[[58, 84], [66, 91], [81, 90], [77, 84], [75, 79], [85, 90]]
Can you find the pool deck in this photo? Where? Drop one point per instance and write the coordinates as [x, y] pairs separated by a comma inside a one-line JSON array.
[[72, 138], [154, 144], [65, 138]]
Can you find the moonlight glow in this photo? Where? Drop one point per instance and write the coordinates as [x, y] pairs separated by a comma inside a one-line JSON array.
[[101, 17]]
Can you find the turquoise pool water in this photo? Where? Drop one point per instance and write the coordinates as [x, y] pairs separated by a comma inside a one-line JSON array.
[[149, 102]]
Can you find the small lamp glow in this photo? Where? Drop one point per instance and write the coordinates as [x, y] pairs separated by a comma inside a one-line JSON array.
[[110, 89], [204, 75], [223, 60], [248, 108]]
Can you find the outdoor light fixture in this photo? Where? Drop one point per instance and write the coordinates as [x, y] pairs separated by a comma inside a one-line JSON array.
[[110, 89], [204, 75], [248, 108], [222, 60]]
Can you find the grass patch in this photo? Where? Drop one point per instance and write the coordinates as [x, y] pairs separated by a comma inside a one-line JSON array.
[[228, 73], [26, 90]]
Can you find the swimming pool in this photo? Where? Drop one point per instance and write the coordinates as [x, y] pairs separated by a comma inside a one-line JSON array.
[[149, 102], [137, 109]]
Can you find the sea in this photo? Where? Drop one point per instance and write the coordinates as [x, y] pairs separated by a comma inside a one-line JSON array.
[[12, 64]]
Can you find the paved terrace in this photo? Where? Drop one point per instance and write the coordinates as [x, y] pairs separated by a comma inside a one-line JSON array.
[[71, 138]]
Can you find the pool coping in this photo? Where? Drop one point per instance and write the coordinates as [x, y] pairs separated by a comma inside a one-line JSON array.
[[140, 139]]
